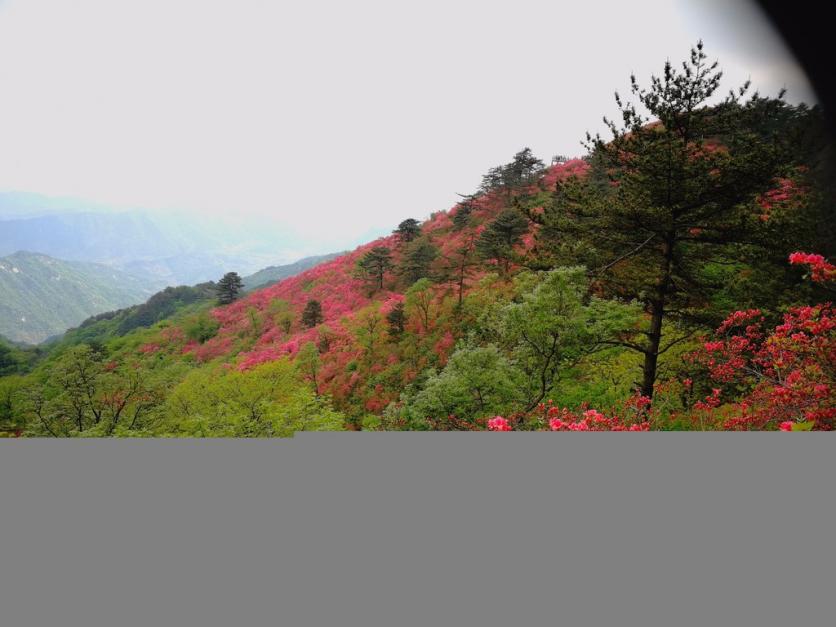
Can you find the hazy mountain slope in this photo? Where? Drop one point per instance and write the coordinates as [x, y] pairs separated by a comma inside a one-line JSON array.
[[87, 236], [171, 301], [163, 305], [192, 268], [176, 248], [272, 274], [41, 296]]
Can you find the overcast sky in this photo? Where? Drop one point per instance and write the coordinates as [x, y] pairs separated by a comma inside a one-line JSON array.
[[336, 118]]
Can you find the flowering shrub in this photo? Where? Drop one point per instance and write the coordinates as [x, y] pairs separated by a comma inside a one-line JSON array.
[[786, 374], [498, 423], [565, 420], [593, 420], [785, 192], [821, 270]]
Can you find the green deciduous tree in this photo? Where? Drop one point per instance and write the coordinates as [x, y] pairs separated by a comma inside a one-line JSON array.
[[86, 395], [281, 313], [419, 302], [477, 382], [555, 325], [369, 330], [309, 364], [266, 401], [200, 327]]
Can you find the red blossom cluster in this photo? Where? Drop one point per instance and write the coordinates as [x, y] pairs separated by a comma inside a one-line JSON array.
[[784, 192], [821, 270], [498, 423], [548, 417], [787, 374], [562, 171], [591, 420]]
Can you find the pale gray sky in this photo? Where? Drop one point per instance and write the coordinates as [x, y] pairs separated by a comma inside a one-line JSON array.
[[332, 117]]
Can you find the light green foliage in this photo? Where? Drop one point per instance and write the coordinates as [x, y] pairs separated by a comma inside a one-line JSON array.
[[555, 325], [522, 348], [308, 364], [201, 327], [82, 393], [419, 302], [370, 330], [281, 313], [267, 401], [477, 382], [255, 321]]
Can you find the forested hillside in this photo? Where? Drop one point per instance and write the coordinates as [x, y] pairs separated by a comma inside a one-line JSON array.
[[676, 276], [41, 296]]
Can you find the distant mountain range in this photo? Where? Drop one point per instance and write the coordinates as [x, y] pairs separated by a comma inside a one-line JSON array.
[[273, 274], [41, 296], [84, 259], [175, 247]]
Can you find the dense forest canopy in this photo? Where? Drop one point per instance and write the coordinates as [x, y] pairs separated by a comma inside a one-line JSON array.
[[675, 277]]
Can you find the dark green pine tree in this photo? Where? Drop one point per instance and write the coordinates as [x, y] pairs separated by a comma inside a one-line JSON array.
[[312, 314], [408, 230], [458, 267], [373, 266], [229, 288], [670, 201], [396, 318], [417, 259], [461, 218], [524, 169], [499, 238]]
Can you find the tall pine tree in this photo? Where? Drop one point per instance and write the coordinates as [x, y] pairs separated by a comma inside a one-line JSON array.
[[229, 288], [671, 199], [499, 238], [373, 266], [312, 314], [408, 230]]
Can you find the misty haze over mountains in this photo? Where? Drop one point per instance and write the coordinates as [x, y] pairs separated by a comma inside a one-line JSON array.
[[175, 248], [77, 259]]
